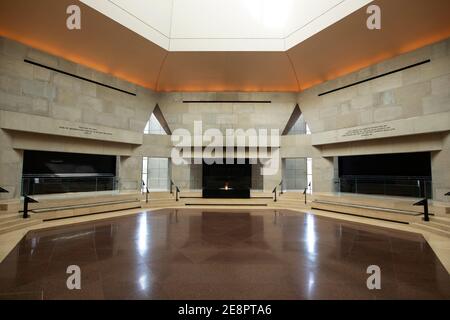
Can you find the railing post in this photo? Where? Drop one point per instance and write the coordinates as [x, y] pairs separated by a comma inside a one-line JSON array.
[[275, 193], [425, 210], [306, 189], [176, 194], [146, 195], [281, 187], [27, 200], [424, 203], [171, 187], [25, 207]]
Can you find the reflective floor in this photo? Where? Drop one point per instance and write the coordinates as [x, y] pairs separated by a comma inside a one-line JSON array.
[[198, 254]]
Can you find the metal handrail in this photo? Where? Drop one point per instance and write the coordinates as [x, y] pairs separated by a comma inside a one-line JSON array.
[[177, 193], [306, 189], [171, 186]]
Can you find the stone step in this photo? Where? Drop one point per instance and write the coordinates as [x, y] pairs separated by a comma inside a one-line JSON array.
[[78, 199], [439, 225], [81, 205], [388, 203], [367, 207], [160, 203], [69, 212], [440, 219], [18, 224], [292, 195], [368, 211], [431, 228], [292, 202], [9, 216], [261, 194], [159, 195], [12, 221], [229, 202]]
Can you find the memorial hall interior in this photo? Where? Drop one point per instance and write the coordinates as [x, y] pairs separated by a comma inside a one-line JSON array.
[[217, 149]]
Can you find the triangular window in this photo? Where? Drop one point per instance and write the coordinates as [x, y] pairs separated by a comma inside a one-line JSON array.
[[296, 124], [157, 124]]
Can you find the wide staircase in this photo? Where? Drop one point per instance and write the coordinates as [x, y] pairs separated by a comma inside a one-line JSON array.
[[438, 224], [161, 199], [73, 205], [292, 200], [194, 198], [59, 206], [13, 221], [394, 209]]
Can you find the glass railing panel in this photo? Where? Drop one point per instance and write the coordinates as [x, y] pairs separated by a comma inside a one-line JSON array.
[[418, 187], [54, 185]]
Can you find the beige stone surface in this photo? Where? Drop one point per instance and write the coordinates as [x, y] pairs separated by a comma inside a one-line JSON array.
[[38, 102], [227, 115], [413, 143], [37, 124], [439, 244], [413, 106], [414, 92], [407, 111]]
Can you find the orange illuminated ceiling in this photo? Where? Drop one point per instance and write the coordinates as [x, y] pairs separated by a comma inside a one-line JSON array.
[[342, 48]]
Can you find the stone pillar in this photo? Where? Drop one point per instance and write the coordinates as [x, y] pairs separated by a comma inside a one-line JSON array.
[[323, 174], [11, 162], [181, 176], [271, 181], [440, 170], [130, 173]]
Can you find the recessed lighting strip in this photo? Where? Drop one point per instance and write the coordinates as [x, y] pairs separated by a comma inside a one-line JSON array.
[[78, 77], [375, 77], [227, 101]]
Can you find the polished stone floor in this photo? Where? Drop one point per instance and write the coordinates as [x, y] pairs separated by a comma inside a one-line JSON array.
[[213, 254]]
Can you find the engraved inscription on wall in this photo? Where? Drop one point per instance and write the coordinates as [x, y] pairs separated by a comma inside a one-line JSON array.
[[86, 130], [368, 131]]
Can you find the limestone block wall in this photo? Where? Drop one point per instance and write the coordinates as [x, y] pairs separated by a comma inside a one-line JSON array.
[[181, 175], [10, 166], [36, 91], [223, 116], [418, 97], [130, 172], [440, 167], [419, 91]]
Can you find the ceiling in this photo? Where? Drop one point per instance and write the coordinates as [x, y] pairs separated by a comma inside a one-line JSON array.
[[226, 25], [341, 48]]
